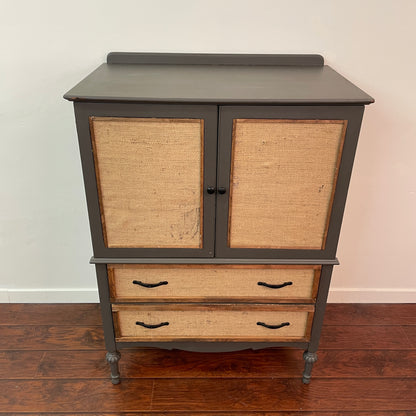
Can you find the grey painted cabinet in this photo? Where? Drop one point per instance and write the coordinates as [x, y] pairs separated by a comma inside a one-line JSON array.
[[216, 186]]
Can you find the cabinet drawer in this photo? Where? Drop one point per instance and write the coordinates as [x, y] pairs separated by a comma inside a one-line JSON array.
[[213, 283], [184, 322]]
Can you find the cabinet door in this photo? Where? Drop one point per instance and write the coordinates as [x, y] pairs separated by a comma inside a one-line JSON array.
[[145, 169], [285, 172]]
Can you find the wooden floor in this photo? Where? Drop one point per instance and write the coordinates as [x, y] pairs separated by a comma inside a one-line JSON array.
[[52, 362]]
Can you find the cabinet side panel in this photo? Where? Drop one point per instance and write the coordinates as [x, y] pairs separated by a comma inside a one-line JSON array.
[[283, 180], [149, 174]]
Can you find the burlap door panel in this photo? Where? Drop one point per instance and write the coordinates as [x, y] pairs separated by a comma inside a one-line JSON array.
[[283, 175], [150, 176]]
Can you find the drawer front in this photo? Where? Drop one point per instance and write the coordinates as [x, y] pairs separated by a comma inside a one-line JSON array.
[[214, 283], [212, 323]]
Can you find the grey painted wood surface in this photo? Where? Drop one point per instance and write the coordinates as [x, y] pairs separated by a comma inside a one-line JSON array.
[[214, 59], [220, 84], [209, 260]]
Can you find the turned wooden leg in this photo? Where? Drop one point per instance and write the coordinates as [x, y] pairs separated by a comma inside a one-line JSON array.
[[310, 359], [112, 359]]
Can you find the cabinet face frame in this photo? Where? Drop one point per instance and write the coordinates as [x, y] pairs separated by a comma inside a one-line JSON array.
[[353, 116], [83, 112]]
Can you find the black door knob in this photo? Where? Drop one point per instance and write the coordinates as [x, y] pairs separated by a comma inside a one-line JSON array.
[[211, 189], [221, 190]]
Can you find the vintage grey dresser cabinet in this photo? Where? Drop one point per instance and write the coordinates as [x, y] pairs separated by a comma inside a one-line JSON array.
[[216, 187]]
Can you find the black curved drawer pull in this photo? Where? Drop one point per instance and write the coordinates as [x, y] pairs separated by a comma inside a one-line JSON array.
[[152, 326], [138, 282], [275, 286], [274, 326]]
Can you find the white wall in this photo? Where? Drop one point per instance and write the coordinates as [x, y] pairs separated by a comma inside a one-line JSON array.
[[47, 46]]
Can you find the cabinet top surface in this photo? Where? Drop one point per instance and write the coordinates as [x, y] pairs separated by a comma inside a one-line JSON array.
[[217, 79]]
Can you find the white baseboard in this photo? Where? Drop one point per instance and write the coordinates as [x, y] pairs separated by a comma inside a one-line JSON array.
[[49, 295], [4, 296], [371, 295], [336, 295]]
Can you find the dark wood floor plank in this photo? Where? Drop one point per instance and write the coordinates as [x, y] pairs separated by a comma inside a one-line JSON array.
[[370, 314], [74, 314], [365, 363], [364, 337], [79, 364], [155, 363], [19, 364], [44, 337], [278, 363], [285, 395], [410, 332], [69, 396], [209, 395]]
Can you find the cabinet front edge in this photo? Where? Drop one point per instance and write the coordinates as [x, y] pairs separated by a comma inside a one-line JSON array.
[[207, 260]]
